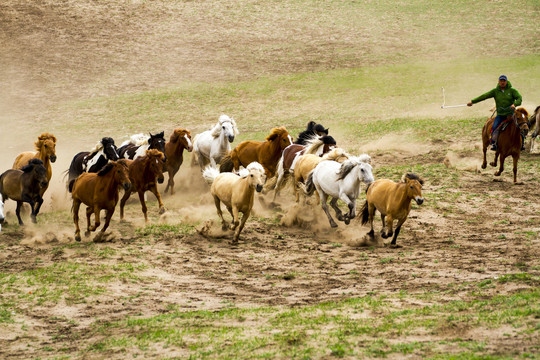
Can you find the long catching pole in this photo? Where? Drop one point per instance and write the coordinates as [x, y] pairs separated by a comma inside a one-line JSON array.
[[443, 106]]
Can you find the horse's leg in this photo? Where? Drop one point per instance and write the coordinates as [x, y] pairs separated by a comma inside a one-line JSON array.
[[155, 191], [97, 220], [89, 227], [38, 205], [383, 230], [76, 205], [495, 158], [396, 233], [351, 204], [220, 213], [18, 212], [484, 149], [278, 186], [371, 214], [241, 226], [390, 226], [108, 215], [324, 198], [515, 158], [125, 198], [501, 167], [236, 218], [143, 206], [339, 214]]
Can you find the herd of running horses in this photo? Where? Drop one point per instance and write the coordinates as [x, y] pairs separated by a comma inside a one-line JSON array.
[[312, 163]]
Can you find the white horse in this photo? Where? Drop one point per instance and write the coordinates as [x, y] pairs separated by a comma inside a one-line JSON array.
[[340, 181], [534, 123], [212, 145], [236, 192], [2, 217]]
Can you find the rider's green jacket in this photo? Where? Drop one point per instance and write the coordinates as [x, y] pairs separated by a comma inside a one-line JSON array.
[[503, 98]]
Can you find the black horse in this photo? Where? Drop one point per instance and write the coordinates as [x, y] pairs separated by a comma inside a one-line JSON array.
[[93, 161], [312, 129], [131, 149]]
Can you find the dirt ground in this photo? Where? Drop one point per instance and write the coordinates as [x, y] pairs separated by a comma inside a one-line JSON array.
[[287, 256]]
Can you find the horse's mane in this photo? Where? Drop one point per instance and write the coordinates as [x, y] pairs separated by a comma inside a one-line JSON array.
[[176, 134], [42, 138], [335, 153], [154, 152], [276, 132], [252, 166], [137, 139], [412, 176], [313, 143], [351, 163], [104, 170], [216, 130], [96, 148]]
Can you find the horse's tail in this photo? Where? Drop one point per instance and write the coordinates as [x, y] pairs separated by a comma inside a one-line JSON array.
[[227, 164], [309, 188], [195, 152], [70, 186], [365, 213], [209, 174]]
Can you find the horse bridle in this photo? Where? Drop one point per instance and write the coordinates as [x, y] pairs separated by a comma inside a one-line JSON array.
[[522, 126]]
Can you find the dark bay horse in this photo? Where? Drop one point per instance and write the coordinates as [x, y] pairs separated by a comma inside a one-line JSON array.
[[138, 144], [98, 191], [145, 172], [46, 152], [25, 186], [312, 129], [179, 141], [92, 161], [509, 141], [393, 201], [267, 153]]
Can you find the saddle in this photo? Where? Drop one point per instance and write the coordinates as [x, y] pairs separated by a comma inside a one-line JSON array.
[[495, 132]]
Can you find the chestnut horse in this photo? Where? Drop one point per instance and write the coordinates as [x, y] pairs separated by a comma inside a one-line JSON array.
[[236, 192], [392, 200], [25, 185], [267, 153], [509, 141], [144, 173], [179, 141], [98, 191], [46, 152]]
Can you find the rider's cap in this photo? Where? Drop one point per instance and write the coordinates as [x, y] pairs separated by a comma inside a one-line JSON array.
[[503, 77]]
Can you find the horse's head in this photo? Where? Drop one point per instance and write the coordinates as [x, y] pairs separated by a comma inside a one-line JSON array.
[[38, 172], [155, 159], [157, 142], [46, 144], [414, 187], [109, 149], [329, 143], [281, 136], [522, 120], [355, 165], [256, 176], [184, 137], [320, 130], [121, 173], [228, 127]]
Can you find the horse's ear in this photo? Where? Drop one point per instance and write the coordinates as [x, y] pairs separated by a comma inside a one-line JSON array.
[[161, 134], [311, 125]]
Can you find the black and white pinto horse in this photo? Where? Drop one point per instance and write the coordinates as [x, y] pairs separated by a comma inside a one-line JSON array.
[[138, 144], [92, 161], [312, 129]]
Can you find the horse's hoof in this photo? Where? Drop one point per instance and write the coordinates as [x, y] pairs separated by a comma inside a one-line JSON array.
[[484, 165], [493, 164], [497, 173], [395, 246], [383, 235], [162, 210], [347, 221], [519, 183]]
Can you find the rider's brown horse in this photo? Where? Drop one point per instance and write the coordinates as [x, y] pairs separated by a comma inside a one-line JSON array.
[[509, 141], [174, 152]]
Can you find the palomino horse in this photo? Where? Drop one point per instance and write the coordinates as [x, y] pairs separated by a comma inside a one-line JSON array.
[[98, 191], [46, 152], [25, 185], [534, 123], [212, 145], [2, 216], [145, 172], [236, 192], [340, 182], [174, 152], [92, 161], [266, 153], [509, 141], [312, 129], [319, 145], [138, 144], [393, 200], [307, 162]]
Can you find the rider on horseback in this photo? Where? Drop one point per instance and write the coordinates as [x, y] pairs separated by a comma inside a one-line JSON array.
[[506, 100]]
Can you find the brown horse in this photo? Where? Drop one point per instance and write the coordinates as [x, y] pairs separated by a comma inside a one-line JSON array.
[[25, 186], [174, 152], [267, 153], [144, 173], [46, 152], [392, 200], [98, 191], [509, 141]]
